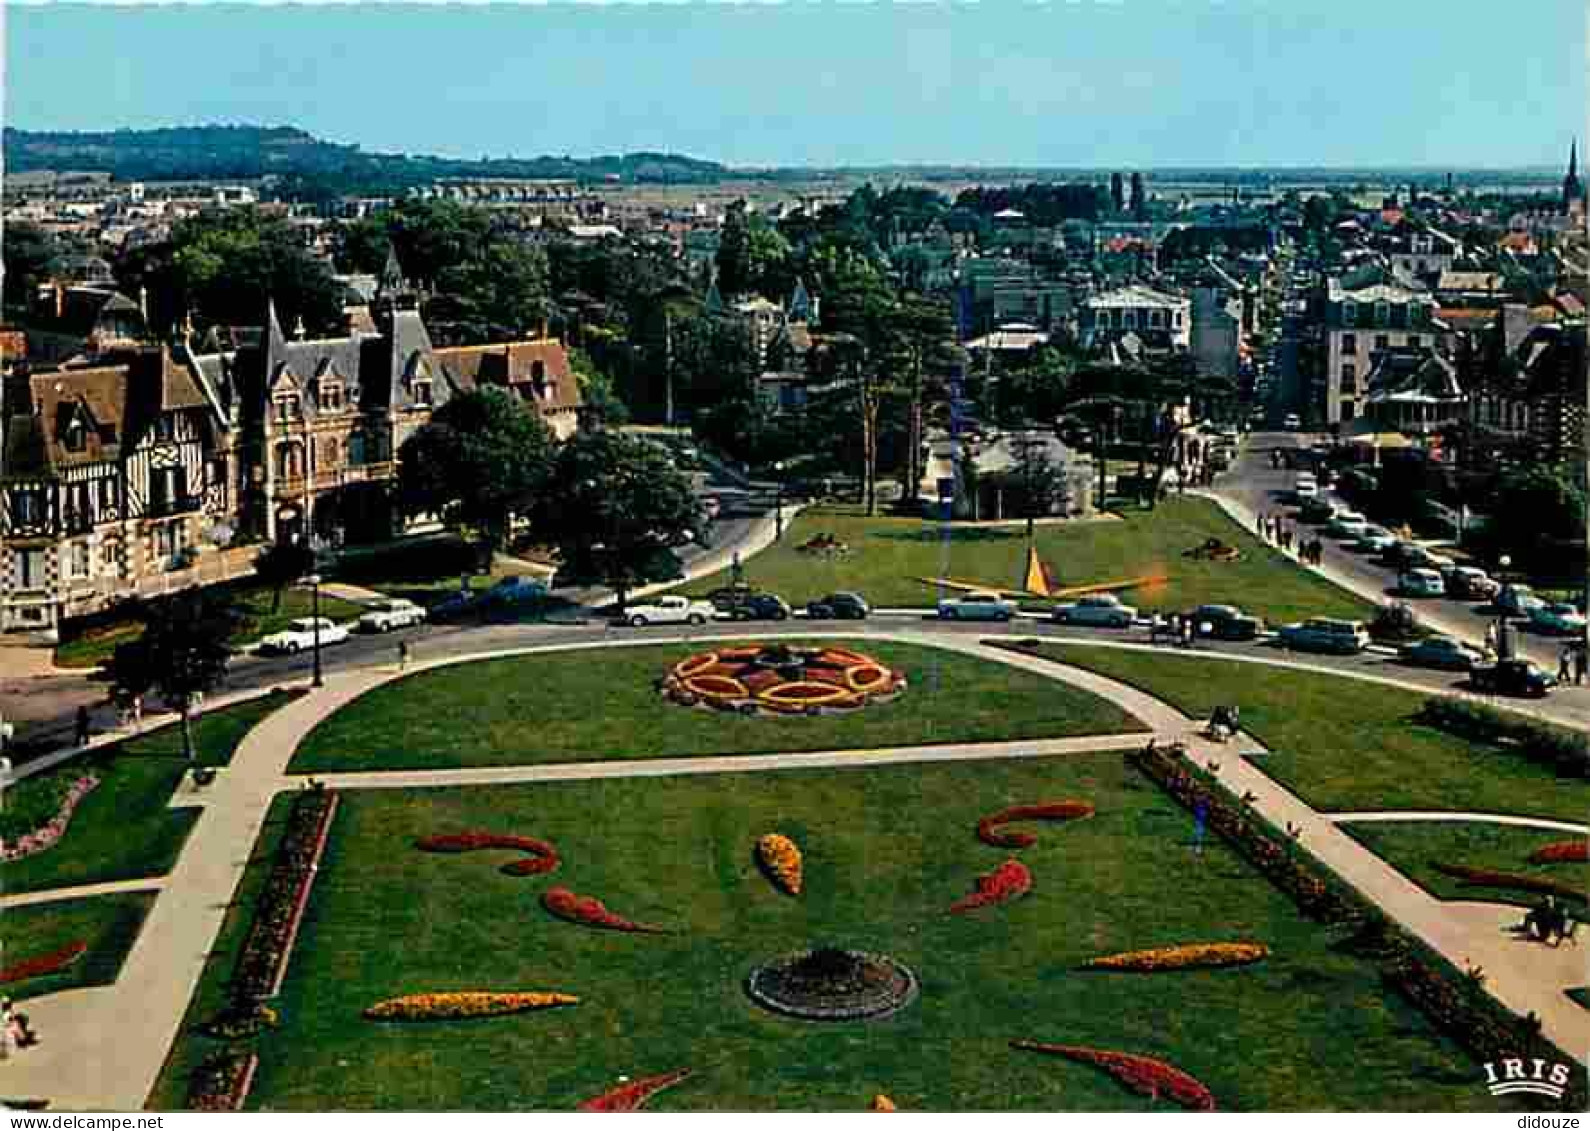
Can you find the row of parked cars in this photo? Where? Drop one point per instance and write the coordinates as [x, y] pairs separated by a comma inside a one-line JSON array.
[[740, 603], [299, 635]]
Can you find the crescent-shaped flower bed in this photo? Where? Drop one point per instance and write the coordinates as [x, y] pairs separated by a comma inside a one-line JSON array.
[[49, 833], [781, 858], [464, 1004], [1486, 878], [633, 1096], [1562, 852], [1189, 957], [779, 679], [588, 911], [988, 828], [1142, 1074], [39, 965], [221, 1081], [1010, 880], [881, 1102], [262, 962], [542, 856]]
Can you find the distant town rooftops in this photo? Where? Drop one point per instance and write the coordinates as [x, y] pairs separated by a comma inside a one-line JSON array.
[[1136, 296]]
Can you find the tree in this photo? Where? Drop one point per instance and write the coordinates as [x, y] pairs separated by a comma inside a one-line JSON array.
[[182, 653], [1117, 192], [31, 256], [616, 507], [1537, 512], [481, 459], [1139, 201], [280, 565]]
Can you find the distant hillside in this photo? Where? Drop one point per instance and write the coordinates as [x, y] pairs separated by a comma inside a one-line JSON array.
[[249, 152]]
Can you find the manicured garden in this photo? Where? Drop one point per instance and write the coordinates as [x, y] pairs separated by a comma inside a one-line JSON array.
[[1344, 744], [578, 707], [1501, 852], [886, 556], [68, 944], [122, 828], [1291, 1020]]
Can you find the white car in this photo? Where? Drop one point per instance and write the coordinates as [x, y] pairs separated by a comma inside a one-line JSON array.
[[384, 616], [1421, 583], [669, 610], [1347, 524], [1305, 488], [299, 636], [1292, 422], [977, 606], [1103, 609]]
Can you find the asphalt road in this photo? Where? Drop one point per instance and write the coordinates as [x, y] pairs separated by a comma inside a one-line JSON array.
[[1254, 483]]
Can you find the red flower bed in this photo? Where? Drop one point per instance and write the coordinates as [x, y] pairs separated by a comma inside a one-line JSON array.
[[543, 857], [1562, 852], [262, 962], [988, 828], [633, 1096], [222, 1081], [51, 963], [590, 912], [1142, 1074], [1486, 878], [1009, 881]]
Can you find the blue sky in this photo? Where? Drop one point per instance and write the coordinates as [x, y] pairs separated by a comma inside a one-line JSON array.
[[1082, 83]]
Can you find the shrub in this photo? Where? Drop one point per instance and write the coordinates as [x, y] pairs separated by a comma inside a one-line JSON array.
[[1566, 751]]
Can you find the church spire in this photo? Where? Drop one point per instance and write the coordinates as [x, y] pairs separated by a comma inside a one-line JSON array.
[[1572, 187]]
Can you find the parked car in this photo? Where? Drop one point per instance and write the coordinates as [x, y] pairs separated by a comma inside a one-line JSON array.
[[299, 636], [1225, 622], [1326, 634], [1512, 677], [1470, 583], [668, 610], [1347, 524], [1317, 510], [1292, 422], [1517, 600], [1559, 619], [1305, 489], [1103, 609], [1445, 652], [514, 591], [385, 616], [1421, 583], [728, 596], [1374, 540], [839, 606], [759, 606], [977, 606]]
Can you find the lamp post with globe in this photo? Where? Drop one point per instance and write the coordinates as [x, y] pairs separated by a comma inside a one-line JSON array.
[[1503, 645]]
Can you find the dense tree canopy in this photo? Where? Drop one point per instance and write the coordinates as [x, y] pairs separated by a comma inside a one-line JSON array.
[[182, 653]]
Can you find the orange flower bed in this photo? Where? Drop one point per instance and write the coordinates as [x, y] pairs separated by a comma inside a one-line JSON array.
[[988, 828], [52, 963], [1191, 956], [1562, 852], [1010, 880], [1142, 1074], [881, 1102], [542, 856], [633, 1096], [463, 1005], [781, 680], [781, 858], [590, 912]]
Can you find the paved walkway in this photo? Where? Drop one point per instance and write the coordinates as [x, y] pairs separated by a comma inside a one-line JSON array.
[[105, 1047], [1466, 818], [83, 891]]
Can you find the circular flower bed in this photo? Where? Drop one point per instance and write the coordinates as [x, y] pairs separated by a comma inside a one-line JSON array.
[[831, 984], [780, 679]]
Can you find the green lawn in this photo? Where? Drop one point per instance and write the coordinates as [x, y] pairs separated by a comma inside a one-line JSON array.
[[1343, 743], [109, 924], [123, 829], [1412, 846], [886, 851], [89, 648], [889, 554], [585, 705]]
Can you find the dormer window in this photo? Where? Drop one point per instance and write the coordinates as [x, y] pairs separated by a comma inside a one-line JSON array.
[[288, 407], [76, 435], [330, 396]]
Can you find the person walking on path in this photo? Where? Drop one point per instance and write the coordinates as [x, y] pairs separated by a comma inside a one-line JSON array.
[[1581, 663], [83, 728], [403, 655], [1258, 523], [137, 712], [1565, 665]]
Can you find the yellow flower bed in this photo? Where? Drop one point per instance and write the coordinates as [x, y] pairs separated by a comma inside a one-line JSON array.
[[881, 1102], [1181, 957], [463, 1004], [782, 860]]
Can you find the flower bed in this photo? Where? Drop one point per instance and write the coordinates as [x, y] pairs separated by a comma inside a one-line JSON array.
[[1562, 852], [1010, 880], [1187, 957], [46, 835], [464, 1004], [1142, 1074], [988, 828], [222, 1081], [781, 859], [782, 680], [633, 1096], [542, 856], [1486, 878], [590, 912], [881, 1102], [831, 983], [262, 962], [38, 966]]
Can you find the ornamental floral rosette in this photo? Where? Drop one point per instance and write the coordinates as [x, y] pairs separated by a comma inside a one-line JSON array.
[[779, 679]]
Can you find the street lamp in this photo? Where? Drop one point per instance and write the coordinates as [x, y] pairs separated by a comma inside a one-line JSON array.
[[318, 680], [778, 511], [1503, 648]]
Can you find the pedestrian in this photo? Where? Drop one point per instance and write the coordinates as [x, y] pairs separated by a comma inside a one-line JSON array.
[[1258, 523], [137, 711], [1186, 632], [403, 655], [1581, 663], [82, 727], [5, 1028], [1565, 665], [1490, 638]]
